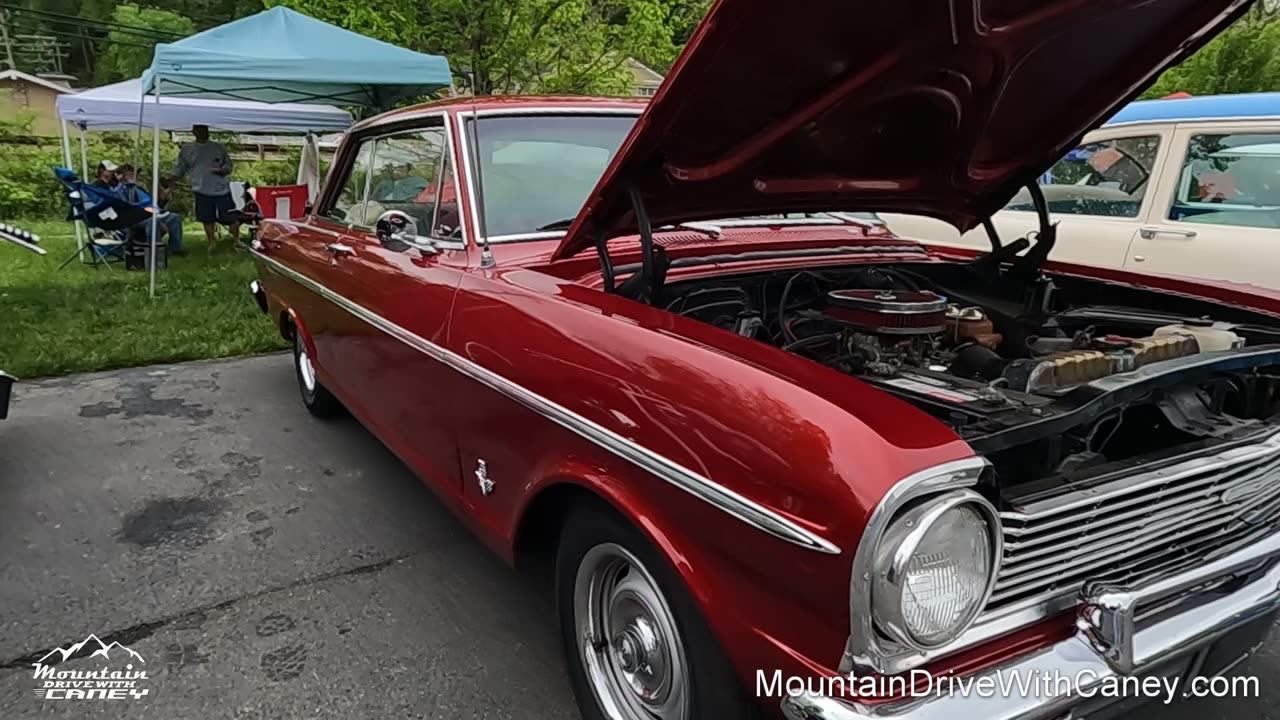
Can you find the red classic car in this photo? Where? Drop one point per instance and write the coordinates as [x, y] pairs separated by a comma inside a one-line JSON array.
[[783, 461]]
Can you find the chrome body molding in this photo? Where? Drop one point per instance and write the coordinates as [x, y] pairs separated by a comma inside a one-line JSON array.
[[866, 649], [717, 495], [1195, 613]]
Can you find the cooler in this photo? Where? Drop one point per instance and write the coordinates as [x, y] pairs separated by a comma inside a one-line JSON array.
[[281, 202]]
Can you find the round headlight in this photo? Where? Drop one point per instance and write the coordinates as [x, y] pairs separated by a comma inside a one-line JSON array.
[[934, 570]]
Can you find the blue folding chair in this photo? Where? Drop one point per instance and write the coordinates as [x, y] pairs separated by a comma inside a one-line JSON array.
[[111, 216]]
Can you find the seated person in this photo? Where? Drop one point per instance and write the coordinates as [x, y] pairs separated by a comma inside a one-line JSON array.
[[106, 179], [169, 223]]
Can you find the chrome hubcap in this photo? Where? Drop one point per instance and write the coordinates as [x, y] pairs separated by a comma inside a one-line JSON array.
[[627, 639], [304, 367]]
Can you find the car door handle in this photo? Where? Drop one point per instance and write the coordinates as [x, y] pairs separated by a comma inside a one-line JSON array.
[[337, 249], [1139, 258], [1150, 232]]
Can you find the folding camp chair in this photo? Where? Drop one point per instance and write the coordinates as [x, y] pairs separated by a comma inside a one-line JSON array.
[[245, 213], [110, 219]]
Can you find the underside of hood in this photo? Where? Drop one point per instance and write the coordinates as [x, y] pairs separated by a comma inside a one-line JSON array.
[[938, 107]]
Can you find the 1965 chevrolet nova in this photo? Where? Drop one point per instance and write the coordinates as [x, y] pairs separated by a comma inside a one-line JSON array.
[[764, 441]]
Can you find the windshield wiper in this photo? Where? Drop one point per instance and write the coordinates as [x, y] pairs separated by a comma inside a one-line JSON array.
[[555, 225]]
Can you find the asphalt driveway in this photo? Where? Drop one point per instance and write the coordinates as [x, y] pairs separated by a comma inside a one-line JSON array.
[[268, 565]]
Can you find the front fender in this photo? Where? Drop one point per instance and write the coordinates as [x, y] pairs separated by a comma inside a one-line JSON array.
[[773, 606], [572, 383]]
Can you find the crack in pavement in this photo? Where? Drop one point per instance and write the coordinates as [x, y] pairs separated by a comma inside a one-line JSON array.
[[135, 633]]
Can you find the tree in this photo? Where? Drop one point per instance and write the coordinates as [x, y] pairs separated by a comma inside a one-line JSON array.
[[555, 46], [1244, 58], [393, 21], [526, 46], [126, 55]]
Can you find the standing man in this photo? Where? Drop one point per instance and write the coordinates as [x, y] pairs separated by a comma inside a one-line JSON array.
[[208, 165]]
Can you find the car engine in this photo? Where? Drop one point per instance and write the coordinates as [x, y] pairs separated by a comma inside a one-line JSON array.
[[1049, 382]]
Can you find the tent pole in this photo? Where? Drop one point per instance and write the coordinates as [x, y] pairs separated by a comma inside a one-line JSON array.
[[137, 138], [84, 156], [84, 168], [66, 159], [155, 187]]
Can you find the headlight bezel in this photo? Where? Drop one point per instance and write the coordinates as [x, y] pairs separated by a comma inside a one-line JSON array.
[[906, 530], [867, 649]]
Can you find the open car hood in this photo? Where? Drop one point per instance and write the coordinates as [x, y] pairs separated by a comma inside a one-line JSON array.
[[938, 107]]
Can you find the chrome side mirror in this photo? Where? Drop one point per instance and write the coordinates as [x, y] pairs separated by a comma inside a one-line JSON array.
[[399, 232]]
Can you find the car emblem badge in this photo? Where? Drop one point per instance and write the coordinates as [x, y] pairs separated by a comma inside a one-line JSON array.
[[482, 476]]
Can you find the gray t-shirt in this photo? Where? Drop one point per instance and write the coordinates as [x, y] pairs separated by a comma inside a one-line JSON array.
[[199, 160]]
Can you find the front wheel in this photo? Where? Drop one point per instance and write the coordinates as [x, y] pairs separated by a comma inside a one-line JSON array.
[[636, 643], [318, 400]]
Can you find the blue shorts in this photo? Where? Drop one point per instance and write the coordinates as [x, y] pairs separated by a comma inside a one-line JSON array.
[[215, 208]]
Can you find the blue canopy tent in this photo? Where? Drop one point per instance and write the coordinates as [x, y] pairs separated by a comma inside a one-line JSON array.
[[281, 55]]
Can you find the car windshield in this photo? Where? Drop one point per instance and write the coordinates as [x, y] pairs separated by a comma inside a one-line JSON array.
[[536, 171]]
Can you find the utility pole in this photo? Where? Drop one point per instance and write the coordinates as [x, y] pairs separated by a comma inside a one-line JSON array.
[[5, 16]]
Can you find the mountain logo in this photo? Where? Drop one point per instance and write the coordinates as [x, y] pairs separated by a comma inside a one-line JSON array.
[[99, 649], [93, 679]]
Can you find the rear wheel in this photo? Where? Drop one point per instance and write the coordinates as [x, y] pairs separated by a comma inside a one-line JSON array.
[[319, 401], [636, 643]]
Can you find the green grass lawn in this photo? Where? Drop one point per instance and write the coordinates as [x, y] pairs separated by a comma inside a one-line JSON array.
[[77, 319]]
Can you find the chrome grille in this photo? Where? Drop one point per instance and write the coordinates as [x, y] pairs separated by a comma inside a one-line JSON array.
[[1138, 526]]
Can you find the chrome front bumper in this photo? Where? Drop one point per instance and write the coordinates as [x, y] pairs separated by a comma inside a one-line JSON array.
[[1110, 641]]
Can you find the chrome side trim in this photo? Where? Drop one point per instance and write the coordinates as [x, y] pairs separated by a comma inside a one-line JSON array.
[[865, 647], [703, 488]]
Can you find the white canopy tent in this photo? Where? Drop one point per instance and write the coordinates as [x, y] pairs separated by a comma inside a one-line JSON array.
[[122, 105], [116, 107]]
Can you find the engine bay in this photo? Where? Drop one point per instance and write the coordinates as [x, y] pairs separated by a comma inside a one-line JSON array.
[[1044, 378]]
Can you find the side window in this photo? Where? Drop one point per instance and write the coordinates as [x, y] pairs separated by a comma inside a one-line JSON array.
[[405, 173], [1107, 178], [1230, 180], [349, 206]]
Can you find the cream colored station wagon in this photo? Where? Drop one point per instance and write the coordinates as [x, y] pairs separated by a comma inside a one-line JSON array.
[[1177, 187]]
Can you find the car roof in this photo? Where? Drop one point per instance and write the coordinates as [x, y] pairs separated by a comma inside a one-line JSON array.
[[1207, 107]]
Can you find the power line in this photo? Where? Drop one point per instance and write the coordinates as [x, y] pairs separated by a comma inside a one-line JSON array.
[[70, 36], [95, 24]]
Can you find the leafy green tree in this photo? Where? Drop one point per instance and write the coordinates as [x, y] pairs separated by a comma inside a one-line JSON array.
[[1244, 58], [127, 55], [526, 46], [393, 21]]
